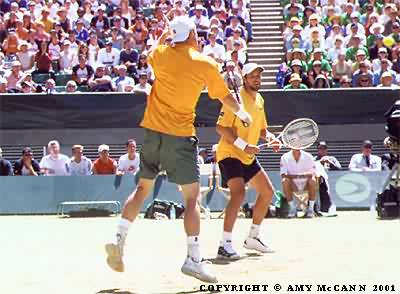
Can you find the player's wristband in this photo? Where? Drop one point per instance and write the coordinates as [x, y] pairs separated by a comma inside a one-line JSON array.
[[241, 113], [240, 143]]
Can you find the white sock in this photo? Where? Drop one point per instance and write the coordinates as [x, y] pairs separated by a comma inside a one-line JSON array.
[[226, 238], [123, 228], [254, 231], [311, 204], [194, 248]]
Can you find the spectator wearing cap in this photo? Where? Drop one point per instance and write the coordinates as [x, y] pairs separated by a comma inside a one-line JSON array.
[[315, 40], [314, 24], [296, 34], [117, 25], [299, 54], [108, 56], [384, 68], [387, 81], [364, 81], [321, 82], [42, 60], [374, 52], [292, 10], [382, 54], [69, 57], [71, 87], [26, 165], [14, 76], [201, 21], [100, 82], [355, 21], [81, 32], [363, 68], [54, 50], [329, 4], [296, 67], [235, 38], [128, 163], [329, 162], [21, 32], [116, 39], [341, 67], [288, 32], [375, 30], [143, 85], [319, 54], [55, 163], [79, 165], [365, 161], [347, 11], [99, 22], [104, 164], [26, 84], [5, 166], [10, 44], [295, 83], [94, 46], [354, 33], [198, 5], [215, 50], [82, 72], [355, 45], [63, 19], [395, 35], [385, 16], [316, 71], [233, 25], [335, 35], [177, 10], [393, 19], [123, 83], [231, 76], [360, 56], [288, 3]]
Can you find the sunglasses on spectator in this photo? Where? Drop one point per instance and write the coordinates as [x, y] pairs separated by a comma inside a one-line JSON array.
[[28, 154], [318, 65], [364, 81]]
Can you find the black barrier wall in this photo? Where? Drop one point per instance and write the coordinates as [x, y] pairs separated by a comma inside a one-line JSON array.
[[121, 110]]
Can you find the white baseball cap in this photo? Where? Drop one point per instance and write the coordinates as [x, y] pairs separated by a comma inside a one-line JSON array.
[[103, 147], [181, 26], [250, 67], [214, 148]]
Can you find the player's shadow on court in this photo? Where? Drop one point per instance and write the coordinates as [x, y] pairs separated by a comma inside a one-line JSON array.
[[115, 291], [251, 256]]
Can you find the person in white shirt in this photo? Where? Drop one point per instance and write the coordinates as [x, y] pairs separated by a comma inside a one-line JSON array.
[[123, 83], [298, 175], [68, 57], [143, 85], [129, 162], [108, 56], [79, 165], [54, 164], [202, 23], [365, 161], [215, 50]]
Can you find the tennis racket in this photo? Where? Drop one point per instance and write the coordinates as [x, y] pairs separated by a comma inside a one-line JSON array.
[[231, 80], [300, 133]]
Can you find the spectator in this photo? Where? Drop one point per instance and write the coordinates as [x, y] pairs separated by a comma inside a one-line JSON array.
[[387, 80], [116, 39], [143, 85], [123, 83], [374, 50], [63, 19], [50, 86], [54, 164], [235, 24], [384, 67], [365, 161], [329, 162], [81, 32], [100, 23], [335, 48], [321, 82], [25, 57], [27, 165], [296, 35], [232, 76], [341, 68], [42, 59], [82, 72], [365, 72], [71, 87], [108, 56], [94, 47], [144, 67], [79, 165], [100, 82], [14, 76], [389, 159], [3, 85], [5, 166], [355, 45], [129, 162], [55, 51], [215, 50], [297, 169], [235, 37], [140, 32], [295, 83], [315, 71], [376, 31], [202, 155], [104, 165], [345, 82], [202, 22], [382, 54], [296, 67], [364, 80]]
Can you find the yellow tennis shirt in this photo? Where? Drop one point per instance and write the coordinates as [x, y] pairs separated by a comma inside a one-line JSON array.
[[181, 74], [250, 134]]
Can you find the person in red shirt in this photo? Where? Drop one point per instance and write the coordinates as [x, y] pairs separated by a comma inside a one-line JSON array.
[[104, 165]]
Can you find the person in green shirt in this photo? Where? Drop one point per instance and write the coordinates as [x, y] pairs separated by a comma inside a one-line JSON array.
[[356, 45], [395, 35], [318, 54], [346, 16], [295, 83], [293, 11]]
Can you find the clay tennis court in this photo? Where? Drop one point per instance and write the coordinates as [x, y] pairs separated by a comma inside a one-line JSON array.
[[46, 254]]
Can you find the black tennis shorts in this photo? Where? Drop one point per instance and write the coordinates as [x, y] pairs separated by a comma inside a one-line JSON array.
[[233, 168]]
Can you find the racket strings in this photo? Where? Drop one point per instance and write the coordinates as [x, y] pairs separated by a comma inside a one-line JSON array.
[[300, 134]]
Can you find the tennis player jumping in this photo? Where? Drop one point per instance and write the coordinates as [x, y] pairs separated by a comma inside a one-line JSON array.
[[236, 155], [169, 140]]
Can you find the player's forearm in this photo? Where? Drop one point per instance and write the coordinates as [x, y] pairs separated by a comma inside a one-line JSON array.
[[227, 133], [231, 103]]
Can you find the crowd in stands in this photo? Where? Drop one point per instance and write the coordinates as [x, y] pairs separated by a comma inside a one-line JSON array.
[[340, 43], [57, 164], [102, 45]]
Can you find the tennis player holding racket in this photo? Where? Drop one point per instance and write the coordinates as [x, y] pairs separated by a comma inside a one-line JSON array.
[[169, 137], [236, 155]]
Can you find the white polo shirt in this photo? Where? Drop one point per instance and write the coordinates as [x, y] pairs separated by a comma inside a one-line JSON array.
[[83, 168], [127, 165], [358, 162], [55, 166]]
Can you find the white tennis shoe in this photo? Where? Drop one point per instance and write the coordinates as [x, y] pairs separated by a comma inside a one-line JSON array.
[[257, 244], [198, 270], [115, 254]]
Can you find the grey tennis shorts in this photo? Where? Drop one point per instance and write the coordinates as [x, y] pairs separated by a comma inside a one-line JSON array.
[[176, 155]]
